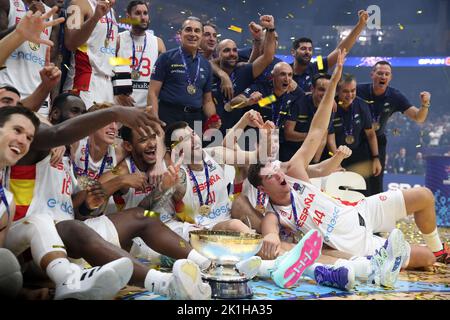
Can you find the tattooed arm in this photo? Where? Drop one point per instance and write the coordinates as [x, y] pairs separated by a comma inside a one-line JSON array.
[[166, 192]]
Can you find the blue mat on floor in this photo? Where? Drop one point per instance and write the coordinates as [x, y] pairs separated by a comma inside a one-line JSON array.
[[307, 289]]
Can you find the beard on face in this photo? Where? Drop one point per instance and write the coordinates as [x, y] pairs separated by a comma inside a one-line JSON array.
[[302, 61]]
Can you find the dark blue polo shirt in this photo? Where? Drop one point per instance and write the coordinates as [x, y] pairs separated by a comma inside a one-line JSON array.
[[302, 113], [382, 107], [244, 54], [305, 79], [351, 122], [279, 110], [170, 70], [242, 78]]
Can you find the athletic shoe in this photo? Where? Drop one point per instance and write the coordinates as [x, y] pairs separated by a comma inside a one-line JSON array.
[[443, 256], [387, 262], [290, 266], [342, 277], [249, 267], [186, 282], [10, 274], [98, 283]]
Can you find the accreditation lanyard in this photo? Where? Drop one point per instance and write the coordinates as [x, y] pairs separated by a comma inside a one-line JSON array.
[[197, 188]]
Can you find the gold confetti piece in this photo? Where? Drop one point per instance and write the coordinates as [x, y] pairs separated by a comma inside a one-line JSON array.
[[118, 61], [369, 101], [267, 100], [65, 65], [58, 247], [320, 63], [330, 153], [151, 214], [182, 244], [290, 15], [130, 21], [235, 28], [418, 146], [224, 9], [340, 103], [400, 26], [236, 106]]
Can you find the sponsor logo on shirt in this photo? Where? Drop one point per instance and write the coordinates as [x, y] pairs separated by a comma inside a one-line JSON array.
[[331, 225], [202, 186], [215, 213], [64, 206], [305, 212]]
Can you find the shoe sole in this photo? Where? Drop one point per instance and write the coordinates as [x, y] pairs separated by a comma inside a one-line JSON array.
[[188, 279], [310, 249], [396, 250], [253, 265], [351, 278], [108, 282]]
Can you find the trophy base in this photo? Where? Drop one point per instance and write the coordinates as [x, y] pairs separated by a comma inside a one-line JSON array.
[[234, 289]]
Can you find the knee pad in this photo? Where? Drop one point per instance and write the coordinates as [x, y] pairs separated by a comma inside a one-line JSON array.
[[10, 274], [44, 238]]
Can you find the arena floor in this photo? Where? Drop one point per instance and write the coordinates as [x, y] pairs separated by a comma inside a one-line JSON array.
[[432, 284]]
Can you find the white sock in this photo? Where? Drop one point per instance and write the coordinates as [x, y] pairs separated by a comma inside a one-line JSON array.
[[361, 266], [200, 260], [309, 272], [433, 241], [157, 281], [140, 250], [265, 268], [59, 270]]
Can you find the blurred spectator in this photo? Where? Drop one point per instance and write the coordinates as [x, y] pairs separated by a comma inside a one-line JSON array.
[[402, 165], [418, 166], [435, 136], [389, 168]]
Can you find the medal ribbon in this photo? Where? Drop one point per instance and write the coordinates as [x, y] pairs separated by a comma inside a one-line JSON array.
[[276, 116], [375, 118], [197, 188], [86, 163], [5, 201], [188, 76], [109, 25], [294, 210], [137, 67], [261, 198], [348, 130]]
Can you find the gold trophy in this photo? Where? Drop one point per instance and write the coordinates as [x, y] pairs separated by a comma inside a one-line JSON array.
[[225, 249]]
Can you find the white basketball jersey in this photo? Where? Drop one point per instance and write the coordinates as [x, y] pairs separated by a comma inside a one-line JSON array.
[[9, 197], [93, 167], [134, 196], [218, 197], [92, 58], [24, 64], [53, 188], [254, 196], [338, 223], [146, 58]]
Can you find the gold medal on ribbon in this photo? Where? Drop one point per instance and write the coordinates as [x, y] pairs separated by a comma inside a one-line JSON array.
[[376, 126], [260, 208], [191, 89], [135, 74], [204, 210], [84, 182], [34, 46], [349, 139]]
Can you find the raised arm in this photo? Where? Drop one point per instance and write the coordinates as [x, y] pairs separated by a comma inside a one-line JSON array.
[[297, 165], [270, 43], [327, 167], [75, 129], [350, 40], [76, 35], [420, 115], [29, 28]]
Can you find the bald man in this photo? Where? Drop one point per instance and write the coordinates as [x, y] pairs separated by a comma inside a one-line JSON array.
[[279, 86], [242, 76]]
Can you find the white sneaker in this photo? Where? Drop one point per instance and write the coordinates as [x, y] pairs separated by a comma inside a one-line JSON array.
[[98, 283], [186, 282], [249, 267], [388, 260], [11, 280]]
